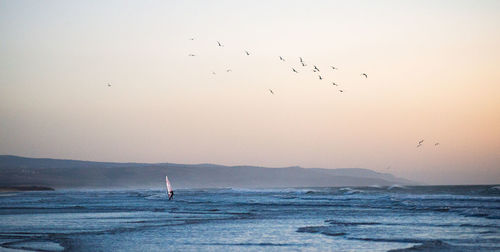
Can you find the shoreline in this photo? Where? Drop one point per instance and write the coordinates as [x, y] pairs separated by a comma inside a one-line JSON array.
[[25, 188]]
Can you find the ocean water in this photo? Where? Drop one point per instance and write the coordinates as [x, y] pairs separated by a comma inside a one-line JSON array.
[[423, 218]]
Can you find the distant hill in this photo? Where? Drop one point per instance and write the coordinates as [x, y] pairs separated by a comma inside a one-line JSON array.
[[58, 173]]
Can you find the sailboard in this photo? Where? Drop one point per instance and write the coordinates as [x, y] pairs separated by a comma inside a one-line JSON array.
[[169, 187]]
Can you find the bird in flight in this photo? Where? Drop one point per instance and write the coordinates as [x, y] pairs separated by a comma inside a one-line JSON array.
[[219, 44], [301, 59], [109, 85], [293, 69], [334, 68], [213, 73], [320, 78], [303, 64], [191, 39], [436, 144], [229, 70], [247, 52], [363, 74], [316, 68], [420, 143], [281, 58], [340, 90], [191, 55], [335, 84], [270, 90]]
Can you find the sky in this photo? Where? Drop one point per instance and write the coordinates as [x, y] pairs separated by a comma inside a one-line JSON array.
[[432, 71]]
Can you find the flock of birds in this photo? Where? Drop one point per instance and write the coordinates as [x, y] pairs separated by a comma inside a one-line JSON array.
[[301, 61], [304, 64], [281, 58]]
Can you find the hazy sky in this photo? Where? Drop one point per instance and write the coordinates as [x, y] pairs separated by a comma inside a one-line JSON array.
[[433, 74]]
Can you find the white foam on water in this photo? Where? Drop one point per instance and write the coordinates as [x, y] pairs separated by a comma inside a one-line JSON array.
[[396, 186], [37, 245]]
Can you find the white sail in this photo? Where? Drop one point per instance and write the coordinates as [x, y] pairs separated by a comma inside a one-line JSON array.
[[169, 186]]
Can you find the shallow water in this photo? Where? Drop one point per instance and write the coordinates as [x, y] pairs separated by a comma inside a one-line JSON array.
[[444, 218]]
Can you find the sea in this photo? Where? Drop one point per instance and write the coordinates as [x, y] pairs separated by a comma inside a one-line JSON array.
[[395, 218]]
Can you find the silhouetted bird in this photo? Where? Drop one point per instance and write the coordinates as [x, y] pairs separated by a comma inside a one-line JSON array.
[[340, 90], [191, 55], [229, 70], [420, 143], [304, 64], [271, 91], [301, 59], [335, 84], [191, 39], [316, 68], [293, 69], [334, 68], [109, 85], [281, 58], [436, 144], [213, 72], [363, 74], [219, 44], [320, 78], [247, 52]]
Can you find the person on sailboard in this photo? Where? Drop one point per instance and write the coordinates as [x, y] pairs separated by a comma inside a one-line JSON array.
[[170, 191]]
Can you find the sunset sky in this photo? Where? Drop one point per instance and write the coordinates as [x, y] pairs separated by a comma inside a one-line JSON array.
[[433, 74]]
